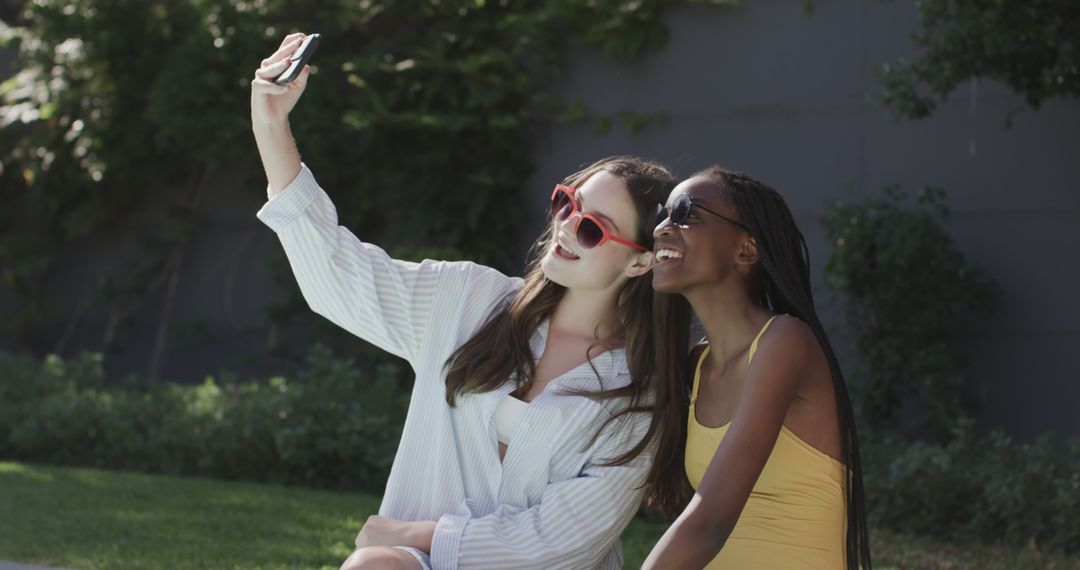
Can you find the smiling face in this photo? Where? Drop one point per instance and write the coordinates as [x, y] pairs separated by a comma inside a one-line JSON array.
[[705, 249], [571, 265]]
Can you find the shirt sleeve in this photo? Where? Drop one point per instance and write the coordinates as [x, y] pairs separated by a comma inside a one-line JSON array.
[[575, 523], [359, 287]]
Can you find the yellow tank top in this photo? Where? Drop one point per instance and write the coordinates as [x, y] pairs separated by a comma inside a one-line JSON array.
[[795, 515]]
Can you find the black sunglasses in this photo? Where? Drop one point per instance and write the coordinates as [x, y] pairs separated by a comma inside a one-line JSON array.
[[680, 212]]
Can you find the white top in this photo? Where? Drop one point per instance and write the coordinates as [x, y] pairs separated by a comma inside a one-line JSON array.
[[508, 415], [549, 503]]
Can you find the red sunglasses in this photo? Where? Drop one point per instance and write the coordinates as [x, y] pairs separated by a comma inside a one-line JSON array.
[[591, 232]]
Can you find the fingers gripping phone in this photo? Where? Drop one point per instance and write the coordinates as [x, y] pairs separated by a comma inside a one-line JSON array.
[[299, 59]]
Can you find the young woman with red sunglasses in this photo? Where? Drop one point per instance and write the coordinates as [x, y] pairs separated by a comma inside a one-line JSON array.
[[771, 448], [535, 417]]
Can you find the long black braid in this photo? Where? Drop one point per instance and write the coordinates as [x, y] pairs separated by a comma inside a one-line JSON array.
[[785, 288]]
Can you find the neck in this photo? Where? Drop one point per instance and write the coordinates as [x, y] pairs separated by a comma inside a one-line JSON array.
[[585, 313], [729, 316]]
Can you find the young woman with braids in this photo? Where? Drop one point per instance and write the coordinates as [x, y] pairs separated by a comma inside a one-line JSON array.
[[770, 448], [536, 411]]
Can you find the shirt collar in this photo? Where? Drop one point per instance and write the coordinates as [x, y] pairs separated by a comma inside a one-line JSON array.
[[609, 364]]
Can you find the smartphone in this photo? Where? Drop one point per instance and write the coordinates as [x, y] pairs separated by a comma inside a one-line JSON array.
[[299, 59]]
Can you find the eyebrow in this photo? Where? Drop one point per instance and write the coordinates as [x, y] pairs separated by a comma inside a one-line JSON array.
[[614, 226], [706, 204], [703, 203]]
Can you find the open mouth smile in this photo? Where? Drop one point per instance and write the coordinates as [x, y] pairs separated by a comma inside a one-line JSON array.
[[565, 252], [668, 255]]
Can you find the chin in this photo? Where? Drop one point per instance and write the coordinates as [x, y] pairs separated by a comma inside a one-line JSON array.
[[665, 284], [548, 266], [577, 275]]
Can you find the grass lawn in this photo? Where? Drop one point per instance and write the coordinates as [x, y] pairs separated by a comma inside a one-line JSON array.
[[89, 519]]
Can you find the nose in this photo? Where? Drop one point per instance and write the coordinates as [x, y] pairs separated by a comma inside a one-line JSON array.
[[567, 226], [570, 221], [664, 228]]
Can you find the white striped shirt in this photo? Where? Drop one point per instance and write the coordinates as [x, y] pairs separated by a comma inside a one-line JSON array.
[[550, 503]]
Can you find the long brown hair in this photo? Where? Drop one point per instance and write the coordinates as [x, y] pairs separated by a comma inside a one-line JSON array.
[[654, 328], [783, 286]]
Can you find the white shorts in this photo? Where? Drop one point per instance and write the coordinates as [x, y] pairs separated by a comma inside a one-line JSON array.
[[422, 557]]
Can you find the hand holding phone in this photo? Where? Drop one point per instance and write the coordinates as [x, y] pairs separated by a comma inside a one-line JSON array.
[[299, 59]]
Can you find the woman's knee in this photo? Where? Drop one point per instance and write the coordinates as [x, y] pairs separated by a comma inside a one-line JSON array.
[[380, 558]]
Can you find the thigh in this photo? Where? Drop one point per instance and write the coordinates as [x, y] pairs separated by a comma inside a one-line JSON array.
[[381, 558]]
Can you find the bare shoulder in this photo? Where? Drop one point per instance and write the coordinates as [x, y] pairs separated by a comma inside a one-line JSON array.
[[788, 338]]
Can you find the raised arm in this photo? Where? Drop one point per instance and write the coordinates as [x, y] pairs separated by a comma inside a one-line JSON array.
[[772, 381], [387, 302], [270, 107]]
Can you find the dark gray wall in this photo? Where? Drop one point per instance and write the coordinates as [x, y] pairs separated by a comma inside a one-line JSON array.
[[786, 97]]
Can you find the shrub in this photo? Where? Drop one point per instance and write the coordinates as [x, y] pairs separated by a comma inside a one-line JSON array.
[[336, 425], [908, 292], [978, 488]]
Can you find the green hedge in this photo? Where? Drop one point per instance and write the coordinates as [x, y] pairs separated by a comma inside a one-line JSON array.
[[909, 292], [335, 425], [985, 488]]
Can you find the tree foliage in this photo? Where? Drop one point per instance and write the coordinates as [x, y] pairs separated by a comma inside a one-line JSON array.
[[1032, 46], [124, 113]]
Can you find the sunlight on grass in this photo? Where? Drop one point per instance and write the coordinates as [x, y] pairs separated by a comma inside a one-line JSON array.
[[107, 520], [24, 471], [122, 520]]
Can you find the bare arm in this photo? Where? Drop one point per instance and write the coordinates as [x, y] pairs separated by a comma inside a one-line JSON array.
[[270, 107], [771, 384], [355, 284]]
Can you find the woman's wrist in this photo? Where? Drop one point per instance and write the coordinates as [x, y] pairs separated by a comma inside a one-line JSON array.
[[421, 534]]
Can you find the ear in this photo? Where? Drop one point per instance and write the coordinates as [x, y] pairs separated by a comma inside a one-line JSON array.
[[641, 265], [748, 253]]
